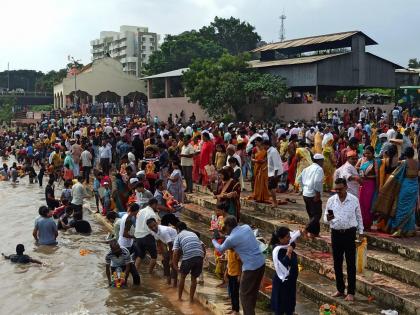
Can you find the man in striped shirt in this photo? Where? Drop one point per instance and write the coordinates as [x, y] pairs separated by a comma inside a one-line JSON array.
[[192, 250]]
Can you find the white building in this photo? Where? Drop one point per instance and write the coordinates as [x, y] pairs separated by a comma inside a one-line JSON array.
[[100, 81], [132, 46]]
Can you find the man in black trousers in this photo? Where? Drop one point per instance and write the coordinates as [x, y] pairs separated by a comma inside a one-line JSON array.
[[344, 216]]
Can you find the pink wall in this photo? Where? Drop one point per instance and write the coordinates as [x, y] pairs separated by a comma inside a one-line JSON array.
[[162, 107], [289, 112]]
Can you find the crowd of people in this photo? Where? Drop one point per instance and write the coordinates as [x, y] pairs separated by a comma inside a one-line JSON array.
[[142, 169]]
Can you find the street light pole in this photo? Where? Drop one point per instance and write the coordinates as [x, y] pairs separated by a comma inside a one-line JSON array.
[[8, 78], [74, 61]]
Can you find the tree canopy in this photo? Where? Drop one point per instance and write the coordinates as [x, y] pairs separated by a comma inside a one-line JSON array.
[[414, 63], [226, 84], [231, 34], [6, 109], [222, 35], [177, 51]]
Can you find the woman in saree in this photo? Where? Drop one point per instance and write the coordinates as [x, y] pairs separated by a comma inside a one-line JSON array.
[[318, 142], [206, 157], [304, 160], [261, 193], [329, 164], [368, 170], [396, 202], [229, 191], [120, 194], [175, 186], [404, 221], [292, 160], [196, 159]]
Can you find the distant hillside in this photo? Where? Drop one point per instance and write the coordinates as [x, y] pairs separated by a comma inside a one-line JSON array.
[[32, 80], [21, 79]]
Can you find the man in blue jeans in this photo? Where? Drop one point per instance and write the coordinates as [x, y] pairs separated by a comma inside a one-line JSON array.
[[243, 241]]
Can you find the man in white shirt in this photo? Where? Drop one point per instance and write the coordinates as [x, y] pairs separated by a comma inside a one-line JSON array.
[[349, 172], [310, 137], [125, 236], [105, 156], [165, 236], [392, 133], [230, 151], [275, 169], [350, 132], [78, 193], [344, 216], [187, 154], [145, 242], [311, 180], [395, 115], [280, 131], [86, 158]]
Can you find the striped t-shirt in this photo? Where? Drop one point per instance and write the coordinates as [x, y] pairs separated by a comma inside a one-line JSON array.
[[189, 244]]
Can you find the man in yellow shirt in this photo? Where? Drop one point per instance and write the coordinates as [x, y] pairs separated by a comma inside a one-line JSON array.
[[232, 277]]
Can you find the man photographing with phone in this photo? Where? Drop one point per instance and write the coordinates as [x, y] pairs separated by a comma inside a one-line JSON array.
[[344, 216]]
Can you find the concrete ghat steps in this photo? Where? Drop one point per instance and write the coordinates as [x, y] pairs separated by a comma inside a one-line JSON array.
[[208, 295], [387, 262], [313, 286], [388, 291], [407, 248]]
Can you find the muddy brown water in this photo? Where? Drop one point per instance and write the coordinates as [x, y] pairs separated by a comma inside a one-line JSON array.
[[68, 283]]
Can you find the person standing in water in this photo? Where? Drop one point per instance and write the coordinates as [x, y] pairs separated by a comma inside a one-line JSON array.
[[45, 231]]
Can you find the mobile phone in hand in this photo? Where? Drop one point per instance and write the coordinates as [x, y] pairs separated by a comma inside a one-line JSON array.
[[216, 234], [330, 212]]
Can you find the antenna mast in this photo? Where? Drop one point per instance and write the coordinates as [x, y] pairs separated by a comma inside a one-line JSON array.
[[282, 28]]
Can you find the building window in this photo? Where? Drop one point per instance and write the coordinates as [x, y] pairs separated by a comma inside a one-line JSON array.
[[143, 47], [152, 48]]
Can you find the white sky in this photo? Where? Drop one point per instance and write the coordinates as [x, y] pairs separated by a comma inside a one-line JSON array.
[[40, 34]]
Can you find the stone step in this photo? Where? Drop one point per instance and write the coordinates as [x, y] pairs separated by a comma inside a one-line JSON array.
[[312, 285], [214, 298], [390, 263], [405, 247], [388, 291]]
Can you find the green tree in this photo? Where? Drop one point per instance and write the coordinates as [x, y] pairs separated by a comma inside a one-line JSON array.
[[232, 34], [6, 109], [414, 63], [178, 51], [46, 83], [226, 84]]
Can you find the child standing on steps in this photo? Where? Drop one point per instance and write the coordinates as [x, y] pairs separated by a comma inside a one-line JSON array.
[[232, 277]]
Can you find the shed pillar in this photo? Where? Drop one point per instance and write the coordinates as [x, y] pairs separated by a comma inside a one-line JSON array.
[[358, 47], [167, 87], [149, 89]]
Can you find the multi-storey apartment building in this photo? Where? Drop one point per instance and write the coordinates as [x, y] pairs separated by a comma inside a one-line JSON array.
[[132, 46]]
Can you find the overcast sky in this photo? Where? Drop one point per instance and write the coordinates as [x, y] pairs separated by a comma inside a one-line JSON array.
[[40, 34]]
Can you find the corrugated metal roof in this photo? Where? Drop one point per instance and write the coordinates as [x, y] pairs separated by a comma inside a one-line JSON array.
[[291, 61], [173, 73], [313, 40]]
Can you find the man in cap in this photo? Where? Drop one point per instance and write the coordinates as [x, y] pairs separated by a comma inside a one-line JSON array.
[[349, 172], [311, 181], [352, 146]]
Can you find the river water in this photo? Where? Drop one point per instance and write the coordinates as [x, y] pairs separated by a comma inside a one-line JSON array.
[[68, 283]]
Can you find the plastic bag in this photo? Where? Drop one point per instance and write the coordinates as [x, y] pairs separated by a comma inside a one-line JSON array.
[[361, 252]]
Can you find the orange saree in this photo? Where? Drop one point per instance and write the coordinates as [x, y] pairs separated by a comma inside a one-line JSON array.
[[261, 193]]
